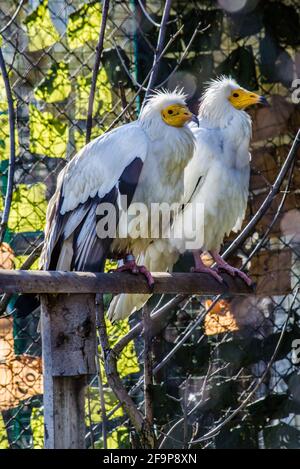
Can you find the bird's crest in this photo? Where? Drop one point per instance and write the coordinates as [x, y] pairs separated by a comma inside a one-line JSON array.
[[159, 99]]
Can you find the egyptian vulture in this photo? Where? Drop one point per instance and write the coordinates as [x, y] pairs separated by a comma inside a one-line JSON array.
[[217, 177], [141, 162]]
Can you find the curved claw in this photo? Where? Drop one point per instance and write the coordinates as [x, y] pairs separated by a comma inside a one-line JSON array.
[[144, 271], [207, 270], [234, 272], [131, 266]]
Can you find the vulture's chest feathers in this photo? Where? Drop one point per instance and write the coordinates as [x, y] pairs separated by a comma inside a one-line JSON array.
[[225, 187], [161, 182]]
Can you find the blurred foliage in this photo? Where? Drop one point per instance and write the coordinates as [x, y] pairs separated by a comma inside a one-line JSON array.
[[83, 25], [56, 84], [28, 208], [3, 437], [48, 134], [257, 48], [40, 29]]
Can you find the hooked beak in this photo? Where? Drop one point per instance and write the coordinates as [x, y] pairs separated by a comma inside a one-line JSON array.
[[195, 119], [262, 100]]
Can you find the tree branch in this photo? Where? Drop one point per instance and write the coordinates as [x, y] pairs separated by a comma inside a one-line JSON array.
[[217, 429], [12, 148], [110, 365], [149, 18], [183, 56], [159, 47], [148, 376], [12, 19], [119, 117], [99, 50]]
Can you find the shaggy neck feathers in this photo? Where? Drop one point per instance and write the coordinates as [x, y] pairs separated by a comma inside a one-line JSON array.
[[218, 112], [176, 142]]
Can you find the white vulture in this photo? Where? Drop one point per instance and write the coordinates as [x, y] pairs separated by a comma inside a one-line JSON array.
[[217, 177], [143, 161]]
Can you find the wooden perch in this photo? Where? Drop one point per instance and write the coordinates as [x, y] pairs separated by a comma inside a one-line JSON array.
[[69, 333], [39, 282]]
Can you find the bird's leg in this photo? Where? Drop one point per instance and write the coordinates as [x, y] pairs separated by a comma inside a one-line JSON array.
[[131, 266], [200, 267], [225, 267]]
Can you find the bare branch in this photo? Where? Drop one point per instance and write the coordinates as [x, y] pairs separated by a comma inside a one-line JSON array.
[[99, 50], [123, 97], [183, 56], [275, 218], [148, 376], [268, 201], [12, 148], [149, 18], [110, 365], [119, 117], [159, 47], [99, 377], [12, 19], [217, 429], [156, 317]]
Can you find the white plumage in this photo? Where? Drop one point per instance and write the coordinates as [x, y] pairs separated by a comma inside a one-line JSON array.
[[217, 177], [143, 160]]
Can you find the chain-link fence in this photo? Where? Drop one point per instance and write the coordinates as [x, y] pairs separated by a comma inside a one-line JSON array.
[[226, 374]]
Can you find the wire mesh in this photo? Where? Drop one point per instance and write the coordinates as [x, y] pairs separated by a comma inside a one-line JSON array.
[[49, 49]]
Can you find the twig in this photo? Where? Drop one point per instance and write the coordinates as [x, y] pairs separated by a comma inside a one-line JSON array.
[[99, 50], [131, 102], [99, 375], [110, 365], [148, 377], [232, 248], [159, 48], [188, 414], [88, 395], [149, 18], [183, 56], [13, 17], [217, 429], [275, 218], [156, 317], [12, 148], [268, 201], [123, 97]]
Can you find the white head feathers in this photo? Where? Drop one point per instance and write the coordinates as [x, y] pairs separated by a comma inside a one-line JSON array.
[[214, 103], [159, 100]]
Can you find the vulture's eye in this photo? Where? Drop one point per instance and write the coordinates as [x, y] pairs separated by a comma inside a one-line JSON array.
[[170, 112], [236, 95]]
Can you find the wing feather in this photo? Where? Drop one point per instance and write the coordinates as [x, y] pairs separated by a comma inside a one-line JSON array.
[[104, 169]]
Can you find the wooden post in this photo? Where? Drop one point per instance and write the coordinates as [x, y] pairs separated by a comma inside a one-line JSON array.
[[69, 350], [69, 336]]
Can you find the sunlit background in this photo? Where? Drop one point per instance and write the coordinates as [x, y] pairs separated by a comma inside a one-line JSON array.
[[49, 49]]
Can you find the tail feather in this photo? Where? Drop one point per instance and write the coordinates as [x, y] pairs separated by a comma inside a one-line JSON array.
[[159, 257]]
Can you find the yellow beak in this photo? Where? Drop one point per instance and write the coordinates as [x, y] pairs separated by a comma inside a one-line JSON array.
[[241, 99]]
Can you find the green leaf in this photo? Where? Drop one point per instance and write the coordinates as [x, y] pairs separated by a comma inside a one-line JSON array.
[[56, 85], [40, 29], [48, 134], [28, 208], [84, 25]]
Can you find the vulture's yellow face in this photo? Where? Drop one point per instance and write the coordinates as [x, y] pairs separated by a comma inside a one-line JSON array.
[[176, 115], [241, 98]]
